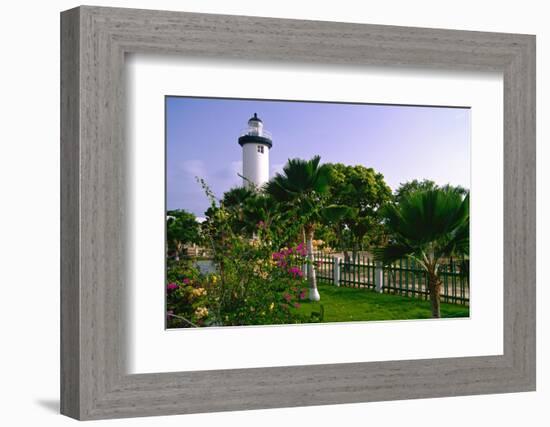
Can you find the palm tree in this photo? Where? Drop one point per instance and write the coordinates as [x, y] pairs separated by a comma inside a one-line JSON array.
[[260, 208], [236, 197], [301, 187], [428, 226]]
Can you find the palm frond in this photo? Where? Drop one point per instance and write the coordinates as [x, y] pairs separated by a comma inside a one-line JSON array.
[[458, 242], [427, 215], [431, 222], [391, 253], [299, 177], [334, 213]]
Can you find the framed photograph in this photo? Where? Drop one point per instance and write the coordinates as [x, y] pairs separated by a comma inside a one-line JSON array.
[[262, 213]]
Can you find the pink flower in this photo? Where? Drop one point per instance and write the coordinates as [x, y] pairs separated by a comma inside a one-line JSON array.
[[172, 287], [301, 250], [261, 224], [287, 297], [302, 295], [186, 281], [296, 305], [295, 272], [285, 252]]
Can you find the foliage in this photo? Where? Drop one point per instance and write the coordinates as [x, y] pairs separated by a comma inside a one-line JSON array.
[[250, 209], [186, 295], [261, 239], [427, 226], [302, 189], [234, 201], [364, 191], [181, 228], [253, 283], [415, 185]]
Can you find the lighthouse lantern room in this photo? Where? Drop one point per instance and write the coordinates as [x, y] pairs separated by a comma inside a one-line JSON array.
[[256, 143]]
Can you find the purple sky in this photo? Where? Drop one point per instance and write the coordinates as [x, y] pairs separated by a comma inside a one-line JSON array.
[[401, 142]]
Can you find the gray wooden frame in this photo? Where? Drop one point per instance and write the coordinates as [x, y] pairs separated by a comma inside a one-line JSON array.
[[94, 41]]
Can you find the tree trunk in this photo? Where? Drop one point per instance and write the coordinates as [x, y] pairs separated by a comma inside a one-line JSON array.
[[434, 286], [313, 292]]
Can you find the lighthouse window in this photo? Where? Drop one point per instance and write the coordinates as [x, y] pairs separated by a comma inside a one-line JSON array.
[[260, 148]]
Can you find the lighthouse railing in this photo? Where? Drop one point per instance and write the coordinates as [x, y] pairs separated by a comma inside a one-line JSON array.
[[255, 132]]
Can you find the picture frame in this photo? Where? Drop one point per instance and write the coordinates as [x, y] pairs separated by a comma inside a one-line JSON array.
[[94, 381]]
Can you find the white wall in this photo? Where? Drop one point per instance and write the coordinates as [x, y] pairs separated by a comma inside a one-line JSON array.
[[29, 224], [255, 164]]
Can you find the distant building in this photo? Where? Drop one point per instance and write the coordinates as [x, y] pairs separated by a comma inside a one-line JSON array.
[[256, 143]]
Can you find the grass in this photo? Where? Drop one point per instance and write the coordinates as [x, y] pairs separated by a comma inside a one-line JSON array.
[[350, 304]]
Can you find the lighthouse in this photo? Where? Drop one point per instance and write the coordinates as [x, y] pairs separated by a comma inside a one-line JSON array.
[[256, 143]]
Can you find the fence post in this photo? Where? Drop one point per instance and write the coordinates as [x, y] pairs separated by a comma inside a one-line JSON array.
[[336, 270], [378, 277]]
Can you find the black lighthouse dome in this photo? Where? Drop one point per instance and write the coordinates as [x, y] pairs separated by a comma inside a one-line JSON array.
[[255, 118], [255, 133]]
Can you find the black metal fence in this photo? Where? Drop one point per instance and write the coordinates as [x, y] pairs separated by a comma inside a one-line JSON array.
[[404, 277]]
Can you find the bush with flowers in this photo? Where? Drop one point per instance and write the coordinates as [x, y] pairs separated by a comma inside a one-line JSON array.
[[257, 286], [186, 295], [254, 284]]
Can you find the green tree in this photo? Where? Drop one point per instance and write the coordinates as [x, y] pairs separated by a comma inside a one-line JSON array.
[[364, 191], [429, 227], [260, 211], [236, 197], [413, 186], [251, 209], [302, 189], [409, 187], [248, 287], [235, 200], [181, 228]]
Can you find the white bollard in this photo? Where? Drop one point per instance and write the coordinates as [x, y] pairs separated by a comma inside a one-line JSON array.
[[378, 277], [304, 271], [336, 270]]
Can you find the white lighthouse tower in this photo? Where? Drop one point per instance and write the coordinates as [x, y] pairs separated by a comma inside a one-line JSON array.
[[256, 143]]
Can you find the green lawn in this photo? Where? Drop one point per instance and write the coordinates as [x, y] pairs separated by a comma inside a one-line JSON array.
[[350, 304]]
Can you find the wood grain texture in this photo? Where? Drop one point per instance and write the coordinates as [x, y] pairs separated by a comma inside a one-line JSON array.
[[94, 240], [70, 314]]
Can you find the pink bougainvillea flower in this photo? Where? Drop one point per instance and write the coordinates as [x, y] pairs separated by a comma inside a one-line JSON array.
[[295, 272], [281, 264], [301, 249], [172, 286], [277, 256]]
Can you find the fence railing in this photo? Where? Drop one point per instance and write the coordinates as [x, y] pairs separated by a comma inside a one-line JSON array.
[[404, 277]]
